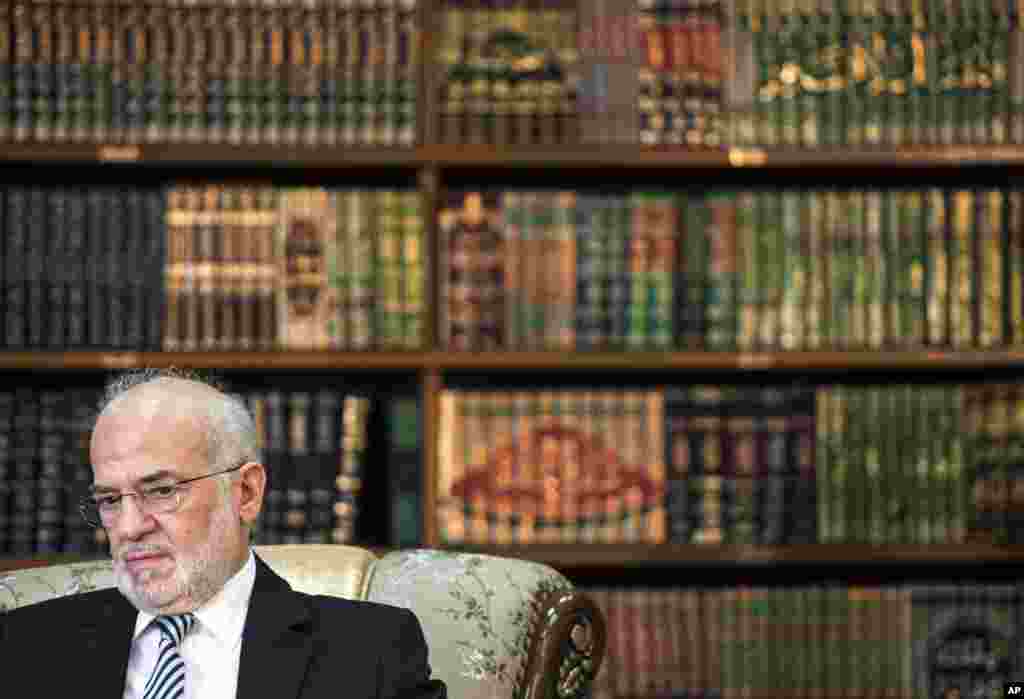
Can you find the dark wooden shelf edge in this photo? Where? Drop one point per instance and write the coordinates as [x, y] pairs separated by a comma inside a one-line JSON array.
[[569, 556], [402, 361], [8, 564], [514, 361], [298, 155], [598, 555], [499, 157]]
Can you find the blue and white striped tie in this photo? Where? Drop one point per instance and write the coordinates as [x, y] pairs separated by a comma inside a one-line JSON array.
[[168, 678]]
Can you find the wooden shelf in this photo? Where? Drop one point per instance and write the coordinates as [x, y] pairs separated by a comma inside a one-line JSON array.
[[12, 563], [303, 156], [373, 361], [512, 157], [631, 157], [515, 361], [570, 556]]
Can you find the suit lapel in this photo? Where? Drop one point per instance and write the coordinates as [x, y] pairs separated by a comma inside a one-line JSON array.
[[106, 641], [276, 642]]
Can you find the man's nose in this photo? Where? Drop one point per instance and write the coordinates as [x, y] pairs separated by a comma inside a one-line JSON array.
[[133, 521]]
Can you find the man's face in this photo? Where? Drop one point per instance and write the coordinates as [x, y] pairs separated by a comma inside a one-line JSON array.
[[174, 562]]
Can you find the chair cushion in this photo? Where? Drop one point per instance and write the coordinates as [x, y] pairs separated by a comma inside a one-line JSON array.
[[23, 587], [321, 569], [478, 614]]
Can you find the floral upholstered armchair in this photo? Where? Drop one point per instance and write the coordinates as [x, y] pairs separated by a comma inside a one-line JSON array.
[[497, 628]]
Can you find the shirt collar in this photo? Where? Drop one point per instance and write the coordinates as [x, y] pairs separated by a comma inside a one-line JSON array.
[[224, 614]]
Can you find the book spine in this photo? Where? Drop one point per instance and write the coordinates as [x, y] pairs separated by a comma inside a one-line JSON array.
[[194, 283], [937, 279], [963, 263], [1007, 265], [1015, 65], [269, 275], [721, 297], [355, 442], [694, 252], [207, 305], [795, 274], [229, 267], [1015, 292], [8, 70], [878, 254], [247, 269], [747, 252], [388, 270], [624, 68], [768, 47], [790, 92], [773, 256], [276, 450], [992, 280]]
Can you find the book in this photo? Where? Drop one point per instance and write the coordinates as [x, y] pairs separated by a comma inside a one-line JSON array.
[[405, 472], [474, 292], [305, 241], [627, 479]]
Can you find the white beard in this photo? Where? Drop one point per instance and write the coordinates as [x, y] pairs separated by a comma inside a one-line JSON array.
[[195, 579]]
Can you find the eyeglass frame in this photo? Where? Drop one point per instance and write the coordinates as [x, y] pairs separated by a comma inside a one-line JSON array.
[[88, 501]]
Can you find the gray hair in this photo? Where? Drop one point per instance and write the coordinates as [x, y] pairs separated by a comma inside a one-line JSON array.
[[230, 431]]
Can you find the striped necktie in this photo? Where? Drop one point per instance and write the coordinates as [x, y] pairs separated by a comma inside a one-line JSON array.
[[168, 678]]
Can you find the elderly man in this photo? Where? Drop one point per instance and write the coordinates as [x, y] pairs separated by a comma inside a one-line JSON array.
[[178, 484]]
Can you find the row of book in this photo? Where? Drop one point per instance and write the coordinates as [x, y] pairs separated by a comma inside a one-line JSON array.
[[233, 267], [732, 269], [314, 445], [835, 73], [220, 72], [79, 265], [804, 73], [211, 267], [826, 641], [713, 464]]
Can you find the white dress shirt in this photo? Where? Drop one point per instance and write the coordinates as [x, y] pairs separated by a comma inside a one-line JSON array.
[[215, 639]]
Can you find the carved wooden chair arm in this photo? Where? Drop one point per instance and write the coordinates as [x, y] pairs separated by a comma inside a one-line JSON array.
[[568, 650]]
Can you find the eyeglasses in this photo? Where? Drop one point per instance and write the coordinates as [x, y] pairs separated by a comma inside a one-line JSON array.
[[103, 510]]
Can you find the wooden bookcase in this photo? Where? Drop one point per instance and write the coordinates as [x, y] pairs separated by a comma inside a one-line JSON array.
[[433, 167]]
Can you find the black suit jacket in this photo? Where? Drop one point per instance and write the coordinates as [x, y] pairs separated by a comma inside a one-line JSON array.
[[294, 646]]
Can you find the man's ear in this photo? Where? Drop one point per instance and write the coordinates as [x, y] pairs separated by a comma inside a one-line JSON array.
[[252, 482]]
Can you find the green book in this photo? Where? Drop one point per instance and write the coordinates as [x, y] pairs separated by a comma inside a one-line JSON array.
[[741, 88], [788, 35], [823, 435], [696, 255], [748, 270], [721, 246], [876, 256], [796, 275], [387, 270], [937, 276], [1015, 86], [772, 258], [414, 307], [769, 47], [1014, 223]]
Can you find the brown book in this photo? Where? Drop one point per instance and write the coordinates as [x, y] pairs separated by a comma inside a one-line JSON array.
[[306, 237], [174, 270]]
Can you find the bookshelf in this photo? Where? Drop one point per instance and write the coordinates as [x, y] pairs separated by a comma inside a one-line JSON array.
[[955, 141]]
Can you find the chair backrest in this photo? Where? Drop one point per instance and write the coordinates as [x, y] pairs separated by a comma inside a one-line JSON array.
[[497, 628]]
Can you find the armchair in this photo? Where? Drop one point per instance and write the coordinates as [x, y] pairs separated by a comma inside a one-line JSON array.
[[496, 628]]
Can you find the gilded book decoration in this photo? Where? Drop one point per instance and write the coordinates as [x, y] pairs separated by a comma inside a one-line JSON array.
[[307, 304], [551, 466], [507, 72]]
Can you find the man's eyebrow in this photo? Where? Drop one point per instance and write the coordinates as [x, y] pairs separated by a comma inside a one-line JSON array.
[[161, 475]]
